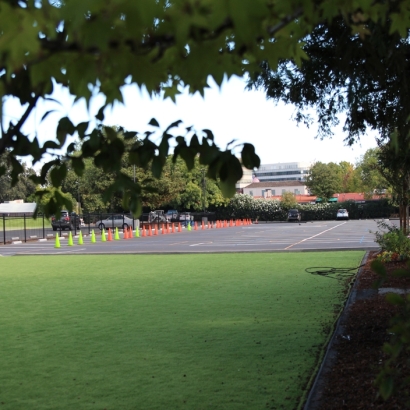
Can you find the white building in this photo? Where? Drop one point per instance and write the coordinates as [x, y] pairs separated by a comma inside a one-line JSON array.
[[245, 180], [275, 188], [284, 171]]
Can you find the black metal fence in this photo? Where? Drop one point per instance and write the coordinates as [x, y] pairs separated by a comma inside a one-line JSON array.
[[24, 228]]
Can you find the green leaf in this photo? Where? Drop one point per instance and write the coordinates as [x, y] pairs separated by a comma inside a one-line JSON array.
[[249, 158], [173, 125], [47, 114], [78, 165], [228, 188], [100, 114], [157, 165], [386, 387], [82, 129], [395, 299], [111, 133], [50, 145], [401, 273], [379, 268], [154, 122], [209, 134], [130, 135], [65, 126], [58, 174]]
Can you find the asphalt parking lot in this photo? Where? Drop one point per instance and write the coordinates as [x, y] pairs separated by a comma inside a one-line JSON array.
[[305, 236]]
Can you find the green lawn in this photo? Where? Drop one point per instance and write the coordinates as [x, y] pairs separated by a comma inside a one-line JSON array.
[[12, 223], [224, 331]]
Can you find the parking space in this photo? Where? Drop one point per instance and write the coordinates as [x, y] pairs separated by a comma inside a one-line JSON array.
[[326, 235]]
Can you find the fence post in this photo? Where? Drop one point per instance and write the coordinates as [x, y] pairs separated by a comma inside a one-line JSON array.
[[25, 230], [4, 228]]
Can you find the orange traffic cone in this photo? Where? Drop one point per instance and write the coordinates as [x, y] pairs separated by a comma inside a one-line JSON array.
[[203, 225], [156, 230], [109, 235], [130, 232], [149, 230], [195, 226], [179, 227], [173, 228], [143, 231]]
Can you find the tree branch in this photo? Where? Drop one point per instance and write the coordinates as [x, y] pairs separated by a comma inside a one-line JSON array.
[[15, 129]]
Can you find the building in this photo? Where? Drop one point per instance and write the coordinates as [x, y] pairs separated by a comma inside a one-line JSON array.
[[17, 208], [245, 180], [283, 171], [275, 188]]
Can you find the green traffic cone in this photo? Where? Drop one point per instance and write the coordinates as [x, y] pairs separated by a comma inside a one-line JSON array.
[[137, 232], [93, 237], [103, 239], [80, 239], [189, 226], [117, 235], [70, 239], [57, 245]]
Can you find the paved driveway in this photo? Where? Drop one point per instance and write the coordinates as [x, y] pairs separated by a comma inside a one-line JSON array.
[[305, 236]]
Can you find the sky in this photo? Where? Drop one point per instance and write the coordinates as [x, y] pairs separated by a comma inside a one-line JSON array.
[[231, 112]]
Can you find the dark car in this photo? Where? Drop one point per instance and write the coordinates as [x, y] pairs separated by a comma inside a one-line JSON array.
[[66, 221], [294, 215]]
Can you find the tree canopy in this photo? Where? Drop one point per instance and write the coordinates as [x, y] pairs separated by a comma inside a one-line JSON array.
[[97, 47], [359, 76], [324, 180]]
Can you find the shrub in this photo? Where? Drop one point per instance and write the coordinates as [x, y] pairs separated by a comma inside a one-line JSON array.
[[392, 242]]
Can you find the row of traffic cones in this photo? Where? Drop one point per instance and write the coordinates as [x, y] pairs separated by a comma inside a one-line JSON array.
[[104, 237], [127, 232]]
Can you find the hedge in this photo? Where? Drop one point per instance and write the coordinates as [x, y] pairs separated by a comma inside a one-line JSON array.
[[245, 206]]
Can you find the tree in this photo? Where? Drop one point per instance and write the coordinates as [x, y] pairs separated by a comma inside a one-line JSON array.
[[350, 181], [97, 46], [368, 169], [360, 75], [393, 162], [24, 187], [198, 192], [324, 180], [288, 201]]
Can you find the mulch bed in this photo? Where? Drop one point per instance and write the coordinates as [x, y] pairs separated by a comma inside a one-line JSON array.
[[349, 382]]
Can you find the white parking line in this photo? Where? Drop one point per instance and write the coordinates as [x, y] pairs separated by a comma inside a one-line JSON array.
[[314, 236]]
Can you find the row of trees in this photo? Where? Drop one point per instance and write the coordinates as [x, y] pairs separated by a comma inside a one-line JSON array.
[[365, 176], [177, 188]]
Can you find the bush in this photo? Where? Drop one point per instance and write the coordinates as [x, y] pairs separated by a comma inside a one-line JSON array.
[[394, 243]]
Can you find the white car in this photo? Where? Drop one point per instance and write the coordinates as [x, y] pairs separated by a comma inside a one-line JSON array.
[[114, 221], [342, 214]]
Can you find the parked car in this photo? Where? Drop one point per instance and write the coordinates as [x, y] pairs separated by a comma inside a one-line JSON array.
[[172, 215], [157, 216], [294, 215], [114, 221], [66, 221], [186, 218], [342, 214]]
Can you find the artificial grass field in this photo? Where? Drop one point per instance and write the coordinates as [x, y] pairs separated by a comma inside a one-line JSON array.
[[218, 331]]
